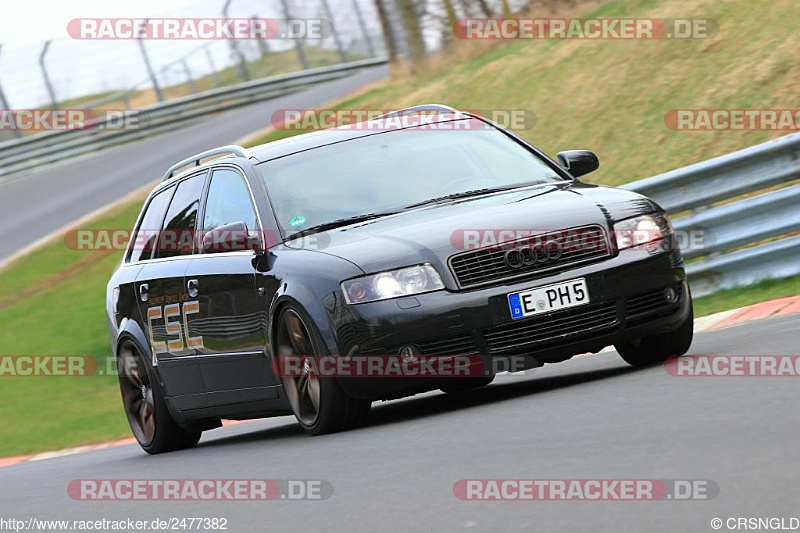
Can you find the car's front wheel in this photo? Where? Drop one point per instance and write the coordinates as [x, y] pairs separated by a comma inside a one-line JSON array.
[[319, 403], [657, 348], [152, 425]]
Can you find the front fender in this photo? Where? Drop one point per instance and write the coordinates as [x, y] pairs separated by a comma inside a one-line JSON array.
[[130, 329], [311, 280]]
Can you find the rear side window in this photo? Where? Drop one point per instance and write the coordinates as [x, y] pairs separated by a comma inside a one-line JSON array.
[[143, 245], [178, 237], [228, 201]]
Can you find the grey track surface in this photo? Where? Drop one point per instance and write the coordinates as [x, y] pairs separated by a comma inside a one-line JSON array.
[[592, 417], [34, 205]]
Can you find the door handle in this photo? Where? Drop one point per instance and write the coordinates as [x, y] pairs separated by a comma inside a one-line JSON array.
[[144, 292], [193, 287]]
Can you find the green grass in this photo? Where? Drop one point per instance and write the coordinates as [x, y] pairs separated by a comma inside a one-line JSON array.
[[771, 289], [51, 303], [607, 96], [611, 96]]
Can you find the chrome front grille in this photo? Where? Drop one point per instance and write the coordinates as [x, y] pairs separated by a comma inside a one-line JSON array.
[[488, 265]]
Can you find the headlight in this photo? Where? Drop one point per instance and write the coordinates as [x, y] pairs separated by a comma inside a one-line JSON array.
[[392, 284], [641, 230]]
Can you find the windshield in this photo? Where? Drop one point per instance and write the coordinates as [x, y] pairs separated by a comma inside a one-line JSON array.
[[393, 170]]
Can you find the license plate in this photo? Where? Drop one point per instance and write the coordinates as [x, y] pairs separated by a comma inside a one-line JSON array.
[[540, 300]]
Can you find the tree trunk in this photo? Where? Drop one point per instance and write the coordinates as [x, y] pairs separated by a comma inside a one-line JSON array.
[[386, 27], [447, 36], [416, 44], [485, 8]]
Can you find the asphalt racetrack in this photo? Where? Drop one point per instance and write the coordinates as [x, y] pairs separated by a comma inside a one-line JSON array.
[[36, 204], [589, 418]]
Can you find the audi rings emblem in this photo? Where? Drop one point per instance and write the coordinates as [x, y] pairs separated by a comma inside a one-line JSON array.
[[525, 257]]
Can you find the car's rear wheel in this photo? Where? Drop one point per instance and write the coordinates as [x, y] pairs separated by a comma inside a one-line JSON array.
[[657, 348], [460, 385], [319, 403], [150, 421]]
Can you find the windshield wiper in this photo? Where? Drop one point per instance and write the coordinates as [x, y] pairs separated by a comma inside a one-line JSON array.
[[338, 223], [463, 194]]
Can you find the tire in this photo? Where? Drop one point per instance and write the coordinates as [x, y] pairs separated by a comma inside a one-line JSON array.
[[460, 385], [656, 348], [319, 404], [151, 423]]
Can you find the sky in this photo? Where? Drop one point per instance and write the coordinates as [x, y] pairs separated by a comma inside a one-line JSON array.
[[31, 21], [80, 67]]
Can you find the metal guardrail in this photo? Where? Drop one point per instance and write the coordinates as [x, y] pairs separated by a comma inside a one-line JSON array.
[[36, 150], [744, 241]]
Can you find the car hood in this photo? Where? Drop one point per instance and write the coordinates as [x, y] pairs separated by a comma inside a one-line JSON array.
[[432, 234]]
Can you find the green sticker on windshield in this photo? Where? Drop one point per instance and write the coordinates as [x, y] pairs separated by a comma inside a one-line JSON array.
[[297, 220]]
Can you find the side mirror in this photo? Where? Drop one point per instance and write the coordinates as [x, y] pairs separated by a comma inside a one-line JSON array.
[[578, 162], [233, 237]]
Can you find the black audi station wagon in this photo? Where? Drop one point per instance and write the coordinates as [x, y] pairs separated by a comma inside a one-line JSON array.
[[407, 241]]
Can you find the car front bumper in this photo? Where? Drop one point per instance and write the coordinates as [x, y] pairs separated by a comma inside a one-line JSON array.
[[626, 302]]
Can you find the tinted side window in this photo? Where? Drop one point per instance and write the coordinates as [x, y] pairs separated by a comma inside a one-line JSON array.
[[228, 201], [179, 226], [144, 241]]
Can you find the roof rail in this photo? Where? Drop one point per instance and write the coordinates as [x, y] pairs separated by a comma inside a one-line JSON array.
[[229, 149], [417, 109]]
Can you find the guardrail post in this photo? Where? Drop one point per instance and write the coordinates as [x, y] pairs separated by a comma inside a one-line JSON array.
[[48, 85], [188, 72], [5, 105], [363, 26], [214, 70], [263, 46], [298, 44], [339, 47], [234, 44], [153, 80]]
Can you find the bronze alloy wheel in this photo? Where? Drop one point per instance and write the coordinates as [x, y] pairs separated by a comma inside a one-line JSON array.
[[137, 394], [303, 391]]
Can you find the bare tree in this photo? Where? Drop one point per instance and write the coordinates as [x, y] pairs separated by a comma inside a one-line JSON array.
[[487, 12], [447, 35], [386, 27], [416, 44]]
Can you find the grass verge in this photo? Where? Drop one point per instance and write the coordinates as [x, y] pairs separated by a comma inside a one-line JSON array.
[[770, 289]]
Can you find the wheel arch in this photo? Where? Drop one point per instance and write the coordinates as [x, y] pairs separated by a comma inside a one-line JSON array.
[[130, 330], [308, 305]]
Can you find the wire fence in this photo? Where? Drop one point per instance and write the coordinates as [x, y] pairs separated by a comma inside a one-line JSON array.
[[113, 74], [80, 72]]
